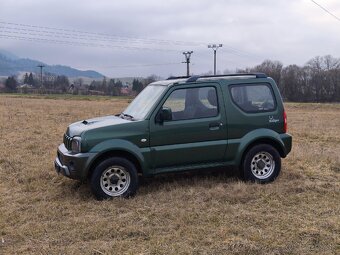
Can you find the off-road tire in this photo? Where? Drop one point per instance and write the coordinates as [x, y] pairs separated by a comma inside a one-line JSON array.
[[114, 177], [261, 163]]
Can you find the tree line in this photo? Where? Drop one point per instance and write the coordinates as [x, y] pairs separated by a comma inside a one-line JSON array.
[[31, 83], [317, 81]]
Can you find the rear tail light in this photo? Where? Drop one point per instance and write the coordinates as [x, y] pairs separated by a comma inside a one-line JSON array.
[[285, 125]]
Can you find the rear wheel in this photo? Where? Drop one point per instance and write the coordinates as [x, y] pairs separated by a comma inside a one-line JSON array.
[[114, 177], [262, 163]]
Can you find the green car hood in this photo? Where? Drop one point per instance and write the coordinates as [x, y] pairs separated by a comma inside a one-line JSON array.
[[77, 128]]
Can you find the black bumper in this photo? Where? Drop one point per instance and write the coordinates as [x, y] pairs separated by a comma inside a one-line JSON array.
[[74, 166]]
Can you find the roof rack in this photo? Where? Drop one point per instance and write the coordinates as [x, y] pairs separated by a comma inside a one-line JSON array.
[[177, 77], [196, 77], [193, 78]]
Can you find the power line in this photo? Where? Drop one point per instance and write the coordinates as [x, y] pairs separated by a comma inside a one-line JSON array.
[[72, 38], [43, 31], [326, 10], [68, 31], [86, 44], [41, 38]]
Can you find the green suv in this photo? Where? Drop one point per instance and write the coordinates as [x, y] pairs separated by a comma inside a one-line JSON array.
[[181, 124]]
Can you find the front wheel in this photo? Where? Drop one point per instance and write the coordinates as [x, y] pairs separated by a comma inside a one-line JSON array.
[[114, 177], [262, 163]]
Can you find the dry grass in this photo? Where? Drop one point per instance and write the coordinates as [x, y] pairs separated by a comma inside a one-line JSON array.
[[42, 213]]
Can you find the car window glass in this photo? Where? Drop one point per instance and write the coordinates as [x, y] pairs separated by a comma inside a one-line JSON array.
[[193, 103], [253, 98]]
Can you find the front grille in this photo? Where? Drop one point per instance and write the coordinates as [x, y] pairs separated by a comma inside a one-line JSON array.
[[68, 142]]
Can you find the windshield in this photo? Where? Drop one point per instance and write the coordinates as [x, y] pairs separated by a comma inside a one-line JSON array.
[[143, 103]]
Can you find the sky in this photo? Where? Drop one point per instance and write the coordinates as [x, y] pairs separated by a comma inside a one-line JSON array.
[[140, 38]]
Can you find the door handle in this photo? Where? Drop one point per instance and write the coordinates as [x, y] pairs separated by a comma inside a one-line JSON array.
[[215, 125]]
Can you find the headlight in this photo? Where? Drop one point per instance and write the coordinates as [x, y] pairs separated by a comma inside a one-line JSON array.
[[76, 144]]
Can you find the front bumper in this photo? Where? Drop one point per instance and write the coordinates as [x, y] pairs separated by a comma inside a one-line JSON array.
[[74, 166], [60, 168]]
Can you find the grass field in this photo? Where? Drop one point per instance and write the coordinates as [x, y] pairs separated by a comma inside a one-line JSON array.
[[215, 213]]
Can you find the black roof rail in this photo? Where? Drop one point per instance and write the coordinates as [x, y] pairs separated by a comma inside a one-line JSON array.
[[258, 75], [261, 75], [177, 77], [196, 77], [193, 78]]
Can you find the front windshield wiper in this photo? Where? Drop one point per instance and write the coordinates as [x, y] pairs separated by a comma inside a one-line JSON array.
[[123, 115]]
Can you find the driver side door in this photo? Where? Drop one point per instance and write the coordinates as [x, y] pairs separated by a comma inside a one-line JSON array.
[[196, 133]]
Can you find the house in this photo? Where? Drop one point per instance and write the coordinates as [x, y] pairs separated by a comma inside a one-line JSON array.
[[25, 88], [125, 91]]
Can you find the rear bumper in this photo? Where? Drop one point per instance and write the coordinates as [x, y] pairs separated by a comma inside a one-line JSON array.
[[74, 166], [287, 141]]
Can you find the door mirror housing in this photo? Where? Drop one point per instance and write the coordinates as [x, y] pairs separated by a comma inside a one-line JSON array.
[[165, 114]]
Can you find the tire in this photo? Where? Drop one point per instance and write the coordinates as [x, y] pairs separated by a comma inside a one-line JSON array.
[[114, 177], [262, 164]]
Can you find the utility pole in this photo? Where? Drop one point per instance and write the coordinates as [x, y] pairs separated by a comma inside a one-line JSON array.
[[41, 79], [187, 55], [214, 47]]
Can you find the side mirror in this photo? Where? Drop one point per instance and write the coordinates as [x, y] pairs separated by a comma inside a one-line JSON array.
[[165, 114]]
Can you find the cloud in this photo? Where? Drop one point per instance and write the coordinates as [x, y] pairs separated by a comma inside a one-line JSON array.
[[251, 31]]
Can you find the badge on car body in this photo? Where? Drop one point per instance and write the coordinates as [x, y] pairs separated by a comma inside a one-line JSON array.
[[273, 120]]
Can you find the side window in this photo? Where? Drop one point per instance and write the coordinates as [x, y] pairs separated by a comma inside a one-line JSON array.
[[193, 103], [253, 98]]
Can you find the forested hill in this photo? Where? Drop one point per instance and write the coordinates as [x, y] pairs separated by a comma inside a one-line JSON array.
[[13, 65]]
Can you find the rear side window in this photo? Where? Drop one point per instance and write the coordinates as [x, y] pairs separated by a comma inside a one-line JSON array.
[[253, 98]]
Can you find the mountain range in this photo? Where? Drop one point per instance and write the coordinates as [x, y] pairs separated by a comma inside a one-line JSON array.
[[10, 64]]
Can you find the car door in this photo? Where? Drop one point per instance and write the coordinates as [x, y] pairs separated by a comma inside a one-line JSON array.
[[197, 132]]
